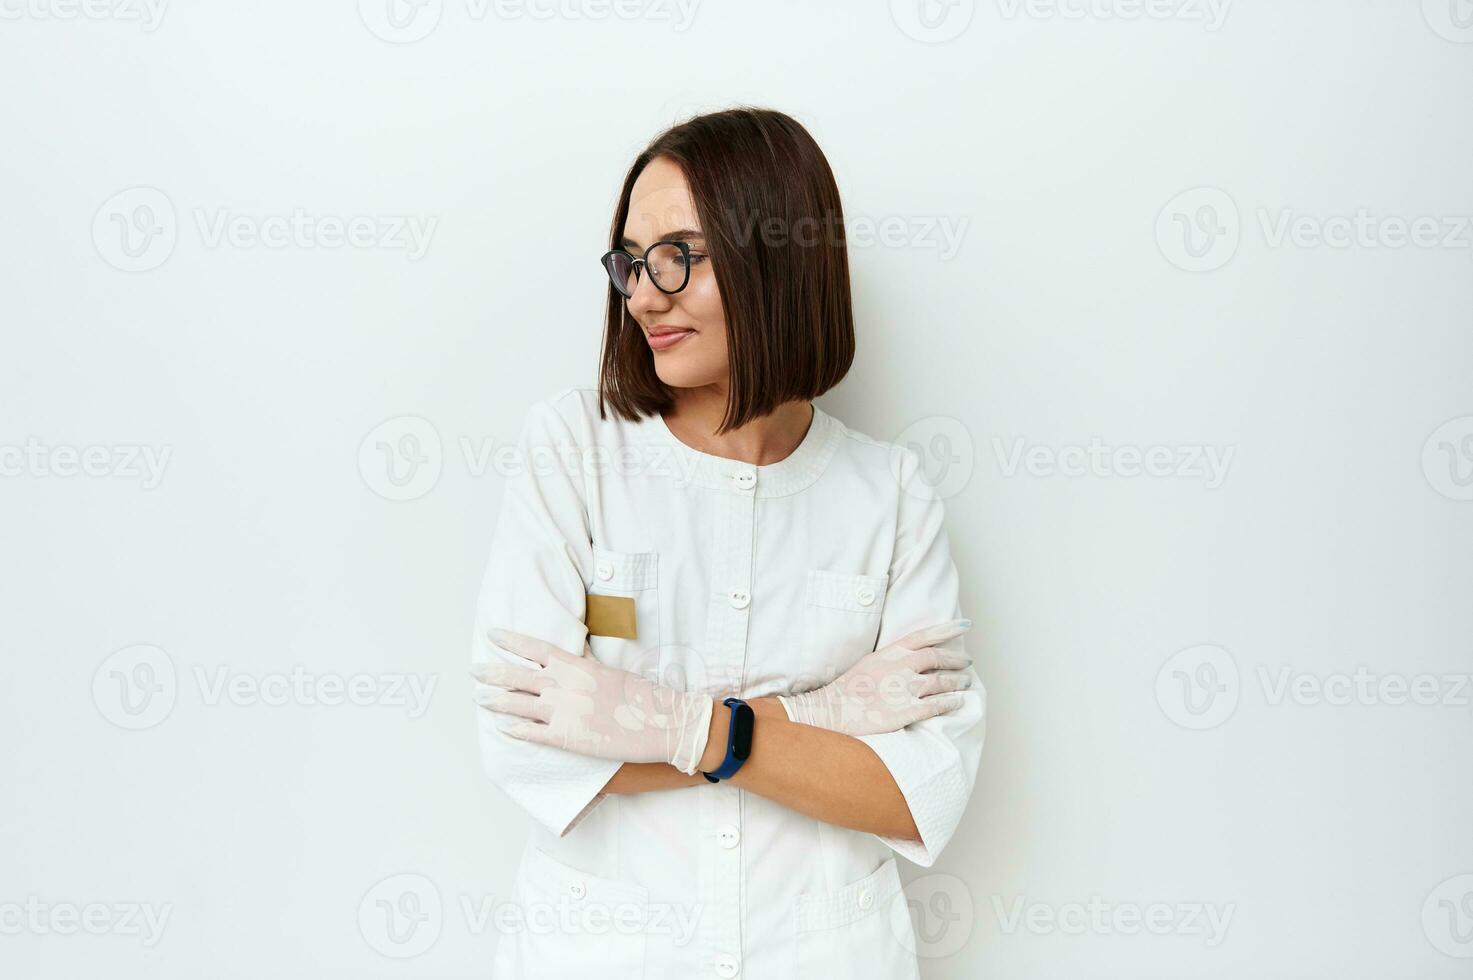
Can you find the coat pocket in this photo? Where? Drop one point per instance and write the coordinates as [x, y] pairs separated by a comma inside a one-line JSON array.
[[574, 924], [624, 578], [841, 621], [860, 930]]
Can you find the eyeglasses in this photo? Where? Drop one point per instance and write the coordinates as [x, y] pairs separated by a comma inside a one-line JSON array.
[[669, 264]]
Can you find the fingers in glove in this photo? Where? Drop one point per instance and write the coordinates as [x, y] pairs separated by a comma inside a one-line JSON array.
[[933, 658], [521, 705], [530, 647], [940, 704], [532, 731], [932, 635], [511, 678], [941, 682]]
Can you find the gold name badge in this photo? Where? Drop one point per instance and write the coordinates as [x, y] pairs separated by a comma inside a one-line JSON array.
[[610, 615]]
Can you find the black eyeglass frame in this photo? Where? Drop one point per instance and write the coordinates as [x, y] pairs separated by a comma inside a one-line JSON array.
[[607, 260]]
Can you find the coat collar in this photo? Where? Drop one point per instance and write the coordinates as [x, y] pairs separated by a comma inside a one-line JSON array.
[[798, 470]]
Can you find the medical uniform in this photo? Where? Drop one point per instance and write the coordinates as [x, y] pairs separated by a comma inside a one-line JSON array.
[[746, 580]]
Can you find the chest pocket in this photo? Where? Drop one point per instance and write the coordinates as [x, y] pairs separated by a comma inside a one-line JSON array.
[[628, 578], [841, 621]]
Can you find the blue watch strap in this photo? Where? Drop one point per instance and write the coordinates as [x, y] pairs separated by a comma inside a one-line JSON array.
[[738, 740]]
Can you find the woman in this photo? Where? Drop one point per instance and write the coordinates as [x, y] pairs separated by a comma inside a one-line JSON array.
[[717, 577]]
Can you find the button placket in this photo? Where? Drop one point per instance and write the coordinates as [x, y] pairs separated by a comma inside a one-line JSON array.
[[729, 611]]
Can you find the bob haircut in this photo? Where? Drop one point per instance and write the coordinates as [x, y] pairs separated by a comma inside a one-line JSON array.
[[769, 208]]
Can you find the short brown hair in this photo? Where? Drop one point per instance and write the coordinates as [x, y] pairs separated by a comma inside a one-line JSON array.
[[757, 179]]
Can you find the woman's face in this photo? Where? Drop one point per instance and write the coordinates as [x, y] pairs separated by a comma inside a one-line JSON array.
[[692, 352]]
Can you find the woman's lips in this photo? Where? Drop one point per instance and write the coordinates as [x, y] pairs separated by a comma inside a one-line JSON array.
[[664, 341]]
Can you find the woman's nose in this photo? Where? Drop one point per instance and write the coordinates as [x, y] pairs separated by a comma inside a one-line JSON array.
[[647, 297]]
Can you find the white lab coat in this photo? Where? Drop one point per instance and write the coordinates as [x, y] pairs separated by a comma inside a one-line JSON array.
[[747, 580]]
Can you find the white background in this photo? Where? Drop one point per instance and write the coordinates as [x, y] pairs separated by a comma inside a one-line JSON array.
[[1120, 175]]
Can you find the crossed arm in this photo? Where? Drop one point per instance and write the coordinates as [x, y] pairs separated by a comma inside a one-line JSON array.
[[826, 775]]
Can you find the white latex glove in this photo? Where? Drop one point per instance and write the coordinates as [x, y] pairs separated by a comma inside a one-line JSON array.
[[894, 686], [585, 706]]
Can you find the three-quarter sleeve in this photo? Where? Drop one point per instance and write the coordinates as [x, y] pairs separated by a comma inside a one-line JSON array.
[[934, 762], [541, 558]]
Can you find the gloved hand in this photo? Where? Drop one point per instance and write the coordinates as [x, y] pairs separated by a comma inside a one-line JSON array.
[[894, 686], [585, 706]]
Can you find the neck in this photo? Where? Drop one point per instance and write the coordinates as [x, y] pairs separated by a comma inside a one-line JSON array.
[[769, 439]]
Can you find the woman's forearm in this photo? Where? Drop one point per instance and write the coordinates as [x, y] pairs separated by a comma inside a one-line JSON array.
[[642, 777], [826, 775]]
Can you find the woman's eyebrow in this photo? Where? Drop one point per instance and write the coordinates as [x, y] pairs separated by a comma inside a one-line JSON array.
[[679, 235]]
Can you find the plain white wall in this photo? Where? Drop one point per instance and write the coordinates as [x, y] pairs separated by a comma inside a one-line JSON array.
[[1089, 236]]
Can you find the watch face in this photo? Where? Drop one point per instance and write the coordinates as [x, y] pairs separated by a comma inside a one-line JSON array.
[[741, 731]]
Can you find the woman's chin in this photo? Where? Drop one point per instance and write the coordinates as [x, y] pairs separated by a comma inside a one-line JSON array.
[[678, 372]]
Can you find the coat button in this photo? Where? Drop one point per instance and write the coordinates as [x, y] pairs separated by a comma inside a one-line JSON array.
[[744, 479], [866, 899], [726, 966], [728, 835], [605, 570], [738, 599], [865, 596], [577, 889]]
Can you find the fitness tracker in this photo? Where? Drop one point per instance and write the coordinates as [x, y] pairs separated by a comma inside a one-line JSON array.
[[738, 740]]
